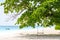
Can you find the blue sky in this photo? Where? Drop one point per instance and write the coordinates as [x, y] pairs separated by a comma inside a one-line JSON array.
[[1, 0], [3, 17]]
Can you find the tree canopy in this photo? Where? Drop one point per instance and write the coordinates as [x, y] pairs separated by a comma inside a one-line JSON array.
[[41, 12]]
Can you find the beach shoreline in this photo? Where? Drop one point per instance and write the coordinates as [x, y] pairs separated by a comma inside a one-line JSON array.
[[28, 34]]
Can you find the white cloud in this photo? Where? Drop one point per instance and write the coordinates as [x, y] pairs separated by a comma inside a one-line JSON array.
[[3, 18]]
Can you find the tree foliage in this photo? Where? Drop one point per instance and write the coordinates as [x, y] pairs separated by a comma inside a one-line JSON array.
[[42, 12]]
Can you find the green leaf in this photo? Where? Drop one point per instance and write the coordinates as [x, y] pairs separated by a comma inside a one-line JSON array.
[[57, 27], [46, 9]]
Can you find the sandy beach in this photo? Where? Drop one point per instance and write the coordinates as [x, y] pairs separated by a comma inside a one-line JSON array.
[[29, 35], [15, 35]]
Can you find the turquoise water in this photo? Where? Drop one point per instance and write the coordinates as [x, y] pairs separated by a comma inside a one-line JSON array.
[[4, 28]]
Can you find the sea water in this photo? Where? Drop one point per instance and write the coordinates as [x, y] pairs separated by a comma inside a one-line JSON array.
[[6, 28]]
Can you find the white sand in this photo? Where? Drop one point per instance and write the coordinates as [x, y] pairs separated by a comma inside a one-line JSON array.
[[15, 35], [9, 35]]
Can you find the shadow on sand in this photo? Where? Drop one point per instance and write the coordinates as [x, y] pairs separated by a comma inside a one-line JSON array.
[[40, 36]]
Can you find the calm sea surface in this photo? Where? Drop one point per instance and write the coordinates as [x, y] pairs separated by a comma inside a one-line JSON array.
[[4, 28]]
